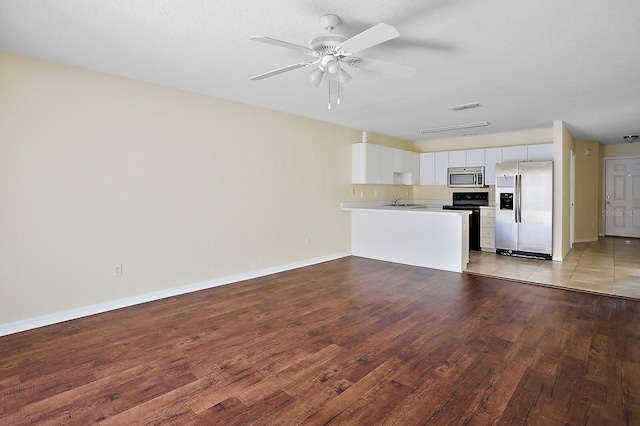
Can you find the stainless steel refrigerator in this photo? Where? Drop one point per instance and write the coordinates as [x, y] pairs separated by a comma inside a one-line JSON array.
[[524, 209]]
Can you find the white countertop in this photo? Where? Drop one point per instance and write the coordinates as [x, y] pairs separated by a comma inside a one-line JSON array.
[[413, 206]]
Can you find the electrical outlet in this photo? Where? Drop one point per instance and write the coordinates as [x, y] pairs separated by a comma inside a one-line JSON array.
[[375, 193], [307, 242], [361, 194], [117, 270]]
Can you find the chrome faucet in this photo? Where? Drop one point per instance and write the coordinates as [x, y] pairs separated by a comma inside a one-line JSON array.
[[395, 201]]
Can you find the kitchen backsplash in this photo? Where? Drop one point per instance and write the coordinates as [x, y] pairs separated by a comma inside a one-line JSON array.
[[408, 192], [380, 192], [442, 192]]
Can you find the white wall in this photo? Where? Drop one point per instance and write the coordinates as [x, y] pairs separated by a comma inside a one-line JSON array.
[[179, 188]]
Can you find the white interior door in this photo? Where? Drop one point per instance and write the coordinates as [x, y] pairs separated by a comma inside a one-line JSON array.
[[622, 197]]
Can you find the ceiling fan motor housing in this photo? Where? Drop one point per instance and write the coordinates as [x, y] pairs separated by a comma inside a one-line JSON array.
[[327, 43]]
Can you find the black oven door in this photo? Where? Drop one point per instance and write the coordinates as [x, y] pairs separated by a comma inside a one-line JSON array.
[[474, 225]]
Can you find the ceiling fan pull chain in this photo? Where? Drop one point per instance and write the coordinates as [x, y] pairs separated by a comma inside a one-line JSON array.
[[329, 91], [338, 82]]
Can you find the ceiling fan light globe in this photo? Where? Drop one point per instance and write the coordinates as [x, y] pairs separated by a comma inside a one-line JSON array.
[[316, 76], [332, 70], [344, 78]]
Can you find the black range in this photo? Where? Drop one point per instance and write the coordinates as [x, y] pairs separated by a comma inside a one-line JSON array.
[[471, 201]]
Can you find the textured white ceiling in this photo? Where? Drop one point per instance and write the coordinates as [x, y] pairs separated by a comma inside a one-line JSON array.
[[528, 62]]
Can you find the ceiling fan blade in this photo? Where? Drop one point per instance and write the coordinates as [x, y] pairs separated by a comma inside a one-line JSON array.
[[368, 38], [284, 44], [385, 67], [281, 70]]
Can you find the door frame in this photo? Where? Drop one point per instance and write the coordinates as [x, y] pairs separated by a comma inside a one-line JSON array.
[[603, 201], [573, 199]]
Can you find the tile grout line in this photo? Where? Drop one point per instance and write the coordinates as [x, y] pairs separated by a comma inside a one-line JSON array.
[[607, 252], [575, 268], [613, 259]]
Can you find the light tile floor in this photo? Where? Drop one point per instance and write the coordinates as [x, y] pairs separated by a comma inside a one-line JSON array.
[[610, 265]]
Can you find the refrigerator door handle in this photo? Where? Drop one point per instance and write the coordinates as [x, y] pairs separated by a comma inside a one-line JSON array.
[[515, 200], [519, 195]]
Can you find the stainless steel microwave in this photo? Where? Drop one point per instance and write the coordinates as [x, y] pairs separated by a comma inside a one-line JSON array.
[[466, 177]]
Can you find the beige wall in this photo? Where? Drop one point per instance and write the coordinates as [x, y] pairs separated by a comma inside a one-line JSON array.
[[563, 144], [587, 205], [386, 141], [621, 150], [524, 137], [179, 188]]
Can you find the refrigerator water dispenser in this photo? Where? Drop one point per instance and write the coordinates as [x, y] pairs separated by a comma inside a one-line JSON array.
[[506, 201]]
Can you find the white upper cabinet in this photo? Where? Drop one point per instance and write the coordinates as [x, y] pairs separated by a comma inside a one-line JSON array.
[[377, 164], [514, 154], [387, 164], [442, 163], [366, 163], [360, 159], [413, 161], [457, 158], [475, 157], [428, 168], [492, 156], [542, 152], [406, 170], [466, 158]]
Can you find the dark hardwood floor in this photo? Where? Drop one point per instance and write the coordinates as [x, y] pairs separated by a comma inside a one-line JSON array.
[[351, 341]]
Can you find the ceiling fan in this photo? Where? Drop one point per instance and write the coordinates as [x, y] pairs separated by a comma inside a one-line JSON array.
[[331, 50]]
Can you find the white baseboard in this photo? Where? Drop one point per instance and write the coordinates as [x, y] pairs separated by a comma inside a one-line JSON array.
[[31, 323], [587, 240]]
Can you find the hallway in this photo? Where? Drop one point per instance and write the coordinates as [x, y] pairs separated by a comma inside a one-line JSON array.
[[610, 265]]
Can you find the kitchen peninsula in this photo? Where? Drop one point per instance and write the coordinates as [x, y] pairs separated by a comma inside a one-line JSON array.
[[417, 235]]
